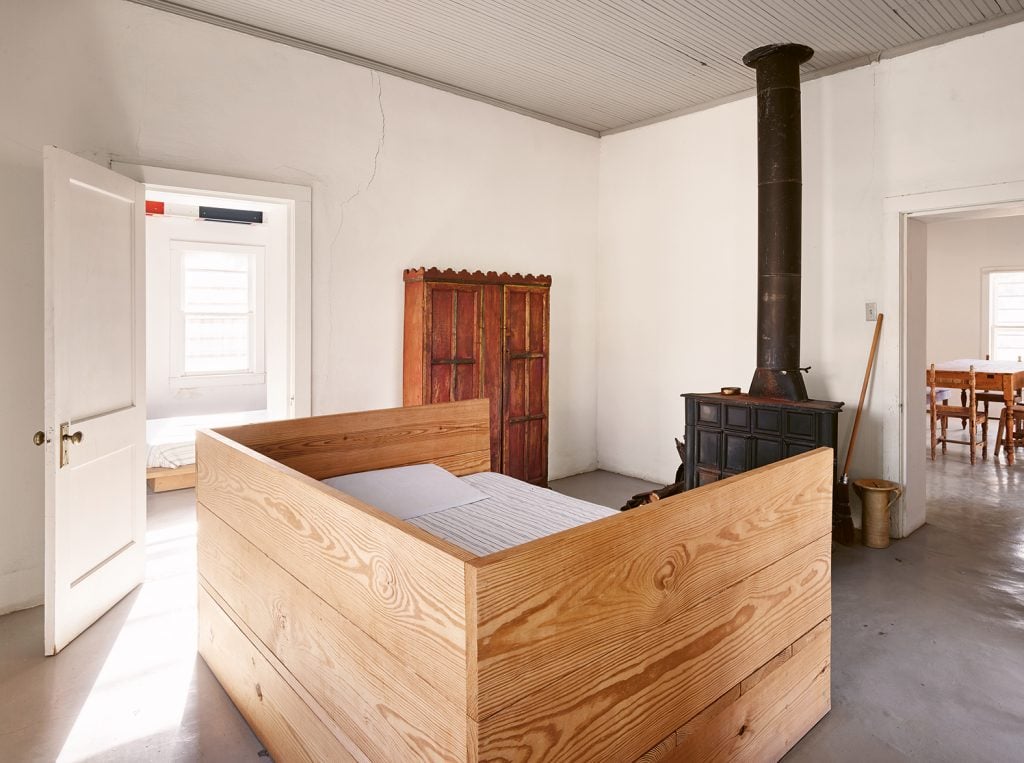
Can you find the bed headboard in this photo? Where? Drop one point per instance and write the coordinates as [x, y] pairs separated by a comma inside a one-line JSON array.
[[454, 436]]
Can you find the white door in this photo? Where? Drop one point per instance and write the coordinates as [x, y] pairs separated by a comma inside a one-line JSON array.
[[94, 391]]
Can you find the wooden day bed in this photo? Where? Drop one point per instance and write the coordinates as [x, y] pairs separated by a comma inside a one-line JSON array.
[[697, 627], [171, 450]]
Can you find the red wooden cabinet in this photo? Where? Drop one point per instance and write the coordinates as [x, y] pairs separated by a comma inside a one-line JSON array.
[[471, 335]]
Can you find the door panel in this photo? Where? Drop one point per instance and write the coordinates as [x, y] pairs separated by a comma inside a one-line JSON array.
[[526, 394], [456, 368], [493, 362], [97, 376], [94, 310]]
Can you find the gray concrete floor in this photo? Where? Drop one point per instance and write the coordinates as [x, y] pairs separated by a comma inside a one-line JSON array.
[[928, 645]]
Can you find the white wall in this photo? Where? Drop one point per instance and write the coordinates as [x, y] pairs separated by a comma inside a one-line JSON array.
[[958, 252], [677, 239], [402, 175]]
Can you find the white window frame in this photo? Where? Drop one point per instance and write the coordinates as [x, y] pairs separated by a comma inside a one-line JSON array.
[[257, 336], [987, 308]]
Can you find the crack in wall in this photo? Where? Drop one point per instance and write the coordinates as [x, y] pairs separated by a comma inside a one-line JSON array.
[[361, 188]]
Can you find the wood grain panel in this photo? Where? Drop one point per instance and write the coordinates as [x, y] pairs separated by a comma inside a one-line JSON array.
[[454, 436], [580, 594], [771, 714], [376, 697], [283, 722], [404, 587], [618, 703]]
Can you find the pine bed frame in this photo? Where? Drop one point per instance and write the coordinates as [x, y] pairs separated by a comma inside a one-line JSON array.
[[697, 627]]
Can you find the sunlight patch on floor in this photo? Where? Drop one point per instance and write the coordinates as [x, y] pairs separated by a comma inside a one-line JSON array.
[[142, 688]]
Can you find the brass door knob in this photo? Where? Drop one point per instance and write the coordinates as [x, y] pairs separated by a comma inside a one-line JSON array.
[[39, 437], [74, 438]]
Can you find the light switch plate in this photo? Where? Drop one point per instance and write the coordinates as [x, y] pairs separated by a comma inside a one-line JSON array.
[[870, 311]]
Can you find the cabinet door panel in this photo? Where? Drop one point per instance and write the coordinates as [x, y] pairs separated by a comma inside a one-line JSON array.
[[467, 382], [536, 451], [538, 374], [442, 309], [456, 367], [467, 324], [526, 387], [515, 451], [515, 320], [516, 407], [440, 384], [492, 359]]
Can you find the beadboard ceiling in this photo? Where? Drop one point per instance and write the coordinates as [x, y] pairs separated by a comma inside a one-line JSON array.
[[596, 65]]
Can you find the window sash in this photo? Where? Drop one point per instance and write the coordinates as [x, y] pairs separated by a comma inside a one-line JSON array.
[[1006, 314], [217, 321]]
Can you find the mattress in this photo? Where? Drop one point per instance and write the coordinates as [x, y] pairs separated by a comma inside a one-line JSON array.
[[172, 441], [513, 513]]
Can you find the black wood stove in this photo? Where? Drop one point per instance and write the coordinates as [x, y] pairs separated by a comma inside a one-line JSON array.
[[730, 433]]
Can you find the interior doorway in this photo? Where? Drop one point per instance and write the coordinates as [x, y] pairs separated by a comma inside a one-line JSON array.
[[284, 233], [227, 309], [912, 218]]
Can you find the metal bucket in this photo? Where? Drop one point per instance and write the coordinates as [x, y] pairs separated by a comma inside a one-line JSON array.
[[876, 496]]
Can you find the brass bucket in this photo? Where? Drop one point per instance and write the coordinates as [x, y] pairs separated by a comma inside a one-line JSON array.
[[876, 496]]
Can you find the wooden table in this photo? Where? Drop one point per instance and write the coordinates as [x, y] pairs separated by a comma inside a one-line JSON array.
[[996, 375]]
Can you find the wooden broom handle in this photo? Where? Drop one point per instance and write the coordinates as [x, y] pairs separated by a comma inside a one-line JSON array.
[[863, 392]]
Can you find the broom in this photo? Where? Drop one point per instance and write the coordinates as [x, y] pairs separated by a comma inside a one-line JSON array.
[[842, 519]]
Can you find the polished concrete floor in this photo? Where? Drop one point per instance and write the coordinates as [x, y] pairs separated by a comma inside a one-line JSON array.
[[928, 645]]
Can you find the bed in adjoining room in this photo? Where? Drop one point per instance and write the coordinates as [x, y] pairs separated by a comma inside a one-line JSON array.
[[171, 446], [437, 618]]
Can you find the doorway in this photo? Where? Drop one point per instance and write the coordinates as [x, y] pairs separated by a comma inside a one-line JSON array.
[[282, 239], [907, 219], [227, 309]]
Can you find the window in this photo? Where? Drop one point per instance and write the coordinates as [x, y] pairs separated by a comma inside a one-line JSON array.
[[217, 321], [1006, 314]]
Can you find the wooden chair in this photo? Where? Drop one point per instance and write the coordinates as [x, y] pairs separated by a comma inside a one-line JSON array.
[[1010, 433], [941, 414]]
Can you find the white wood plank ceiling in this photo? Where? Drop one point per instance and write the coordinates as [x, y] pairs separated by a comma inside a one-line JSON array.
[[596, 65]]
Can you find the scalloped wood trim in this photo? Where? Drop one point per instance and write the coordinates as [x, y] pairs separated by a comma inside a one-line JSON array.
[[450, 275]]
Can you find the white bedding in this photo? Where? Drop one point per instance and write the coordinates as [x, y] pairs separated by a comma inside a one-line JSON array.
[[408, 491], [513, 512], [172, 441]]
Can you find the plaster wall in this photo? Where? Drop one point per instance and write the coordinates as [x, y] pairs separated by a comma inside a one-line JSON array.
[[677, 240], [959, 251], [401, 175]]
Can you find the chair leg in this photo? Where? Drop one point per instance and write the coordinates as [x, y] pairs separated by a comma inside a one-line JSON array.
[[973, 440], [984, 437], [932, 420], [999, 433], [945, 434]]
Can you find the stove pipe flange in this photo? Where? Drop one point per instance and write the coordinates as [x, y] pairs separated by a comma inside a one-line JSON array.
[[779, 183]]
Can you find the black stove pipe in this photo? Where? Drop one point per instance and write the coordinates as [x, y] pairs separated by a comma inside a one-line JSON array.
[[778, 372]]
